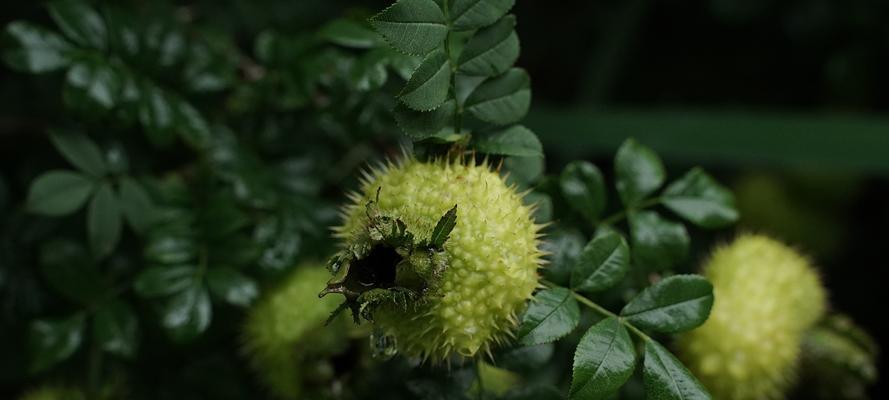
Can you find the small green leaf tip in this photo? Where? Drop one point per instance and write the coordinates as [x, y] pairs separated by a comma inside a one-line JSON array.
[[767, 296], [462, 281]]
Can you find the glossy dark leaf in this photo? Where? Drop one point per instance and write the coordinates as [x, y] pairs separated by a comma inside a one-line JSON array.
[[104, 221], [36, 49], [675, 304], [501, 100], [369, 71], [523, 171], [280, 242], [57, 193], [584, 189], [698, 198], [70, 271], [187, 314], [639, 172], [116, 329], [552, 314], [428, 86], [602, 264], [93, 82], [80, 151], [515, 140], [136, 205], [420, 125], [474, 14], [657, 243], [564, 248], [79, 22], [51, 341], [167, 247], [412, 26], [165, 281], [232, 286], [667, 379], [492, 50], [603, 362]]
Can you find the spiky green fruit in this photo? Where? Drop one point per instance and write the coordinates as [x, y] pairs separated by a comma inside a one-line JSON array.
[[53, 393], [441, 256], [284, 336], [766, 296]]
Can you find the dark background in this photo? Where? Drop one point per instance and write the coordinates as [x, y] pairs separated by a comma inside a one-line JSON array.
[[792, 93]]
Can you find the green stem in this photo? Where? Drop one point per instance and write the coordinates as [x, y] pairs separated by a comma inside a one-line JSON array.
[[458, 110], [602, 311]]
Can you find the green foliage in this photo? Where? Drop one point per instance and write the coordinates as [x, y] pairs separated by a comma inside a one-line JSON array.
[[192, 165]]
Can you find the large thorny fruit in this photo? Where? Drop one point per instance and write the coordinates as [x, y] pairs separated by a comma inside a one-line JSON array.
[[284, 336], [441, 256], [767, 296]]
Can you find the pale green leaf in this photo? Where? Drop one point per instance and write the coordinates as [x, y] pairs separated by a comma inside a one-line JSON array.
[[412, 26], [428, 86], [501, 100], [492, 50]]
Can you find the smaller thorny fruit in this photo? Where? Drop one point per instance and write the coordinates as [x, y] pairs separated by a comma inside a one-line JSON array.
[[767, 296]]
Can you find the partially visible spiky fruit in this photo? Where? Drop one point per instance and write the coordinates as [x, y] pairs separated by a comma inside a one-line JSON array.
[[766, 296], [53, 393], [459, 297], [839, 360], [284, 336]]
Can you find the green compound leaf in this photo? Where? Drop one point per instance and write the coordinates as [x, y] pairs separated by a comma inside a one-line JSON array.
[[602, 264], [603, 362], [584, 189], [552, 314], [136, 205], [103, 221], [428, 87], [473, 14], [70, 271], [639, 172], [116, 329], [232, 286], [515, 140], [36, 49], [80, 151], [700, 199], [51, 341], [666, 378], [673, 305], [79, 22], [57, 193], [349, 33], [492, 50], [165, 281], [443, 228], [420, 125], [657, 243], [501, 100], [412, 26], [187, 314]]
